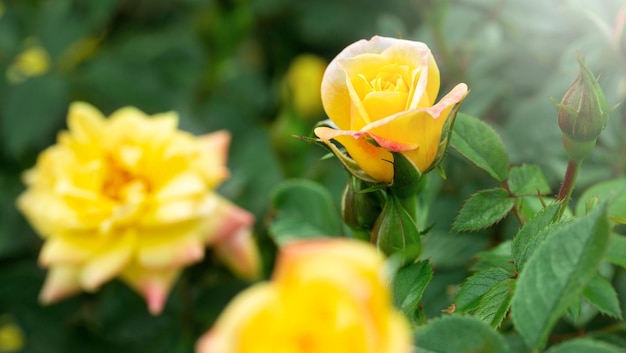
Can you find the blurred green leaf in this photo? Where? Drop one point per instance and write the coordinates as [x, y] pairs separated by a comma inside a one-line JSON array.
[[601, 294], [533, 233], [408, 286], [483, 209], [477, 285], [479, 143], [585, 345], [527, 179], [494, 305], [617, 250], [612, 191], [302, 209], [31, 112], [556, 274], [469, 335]]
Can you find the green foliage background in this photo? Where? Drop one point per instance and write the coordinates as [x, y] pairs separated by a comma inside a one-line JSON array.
[[220, 65]]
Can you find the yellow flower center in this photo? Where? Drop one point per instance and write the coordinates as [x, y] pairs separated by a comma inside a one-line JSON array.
[[121, 185]]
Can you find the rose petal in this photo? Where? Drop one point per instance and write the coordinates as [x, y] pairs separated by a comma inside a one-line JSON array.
[[108, 264], [377, 162], [61, 282], [153, 285], [85, 122]]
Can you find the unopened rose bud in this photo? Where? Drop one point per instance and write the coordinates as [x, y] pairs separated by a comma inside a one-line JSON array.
[[582, 114], [360, 207], [396, 232]]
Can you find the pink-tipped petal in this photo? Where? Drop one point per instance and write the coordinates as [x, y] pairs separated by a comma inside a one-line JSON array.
[[240, 253], [61, 282]]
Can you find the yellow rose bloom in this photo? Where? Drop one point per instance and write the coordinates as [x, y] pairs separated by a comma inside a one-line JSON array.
[[31, 62], [381, 96], [132, 197], [326, 295]]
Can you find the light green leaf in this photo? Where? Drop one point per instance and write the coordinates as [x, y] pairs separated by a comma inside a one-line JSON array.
[[409, 284], [302, 209], [612, 191], [585, 345], [601, 294], [532, 234], [494, 305], [617, 250], [556, 273], [478, 285], [459, 334], [483, 209], [527, 180], [480, 144]]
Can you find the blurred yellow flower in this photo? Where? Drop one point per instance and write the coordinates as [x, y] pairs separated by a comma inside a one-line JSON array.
[[302, 83], [132, 196], [381, 95], [327, 295], [11, 336], [33, 61]]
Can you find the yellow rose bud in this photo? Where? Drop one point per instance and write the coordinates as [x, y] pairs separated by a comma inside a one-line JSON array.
[[31, 62], [302, 84], [325, 296], [381, 95], [131, 197]]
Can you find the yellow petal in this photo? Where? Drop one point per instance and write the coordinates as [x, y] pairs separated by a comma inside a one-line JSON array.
[[86, 123], [225, 336], [61, 282], [240, 253], [107, 264], [383, 104], [153, 285], [375, 161], [178, 253], [183, 185]]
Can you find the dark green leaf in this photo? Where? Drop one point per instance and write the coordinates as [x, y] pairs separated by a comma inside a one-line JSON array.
[[479, 143], [494, 305], [302, 209], [31, 113], [483, 209], [478, 285], [585, 345], [409, 284], [601, 294], [617, 250], [527, 179], [556, 274], [532, 234], [458, 334]]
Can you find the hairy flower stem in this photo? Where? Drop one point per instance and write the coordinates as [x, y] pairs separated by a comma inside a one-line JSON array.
[[565, 194]]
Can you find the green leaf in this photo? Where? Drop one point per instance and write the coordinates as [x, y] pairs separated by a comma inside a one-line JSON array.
[[556, 273], [612, 191], [28, 125], [585, 345], [532, 234], [483, 209], [498, 256], [458, 334], [302, 209], [478, 285], [527, 180], [409, 284], [494, 305], [601, 294], [617, 250], [480, 144]]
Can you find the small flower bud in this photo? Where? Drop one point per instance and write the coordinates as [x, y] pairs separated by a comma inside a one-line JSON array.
[[396, 232], [360, 207], [583, 113]]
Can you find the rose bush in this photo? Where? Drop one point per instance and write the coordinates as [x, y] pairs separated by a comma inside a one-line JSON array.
[[132, 196], [381, 96], [326, 295]]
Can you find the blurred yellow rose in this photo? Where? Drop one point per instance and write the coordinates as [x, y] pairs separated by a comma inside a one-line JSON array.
[[381, 95], [31, 62], [132, 196], [327, 295], [301, 85]]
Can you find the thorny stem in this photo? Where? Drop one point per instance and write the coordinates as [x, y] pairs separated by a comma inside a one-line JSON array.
[[565, 194]]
